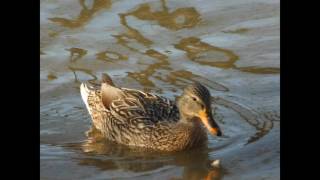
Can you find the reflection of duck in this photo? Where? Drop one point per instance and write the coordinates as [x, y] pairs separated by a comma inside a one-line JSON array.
[[140, 119], [118, 159]]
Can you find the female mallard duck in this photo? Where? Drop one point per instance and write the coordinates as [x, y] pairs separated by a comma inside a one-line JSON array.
[[136, 118]]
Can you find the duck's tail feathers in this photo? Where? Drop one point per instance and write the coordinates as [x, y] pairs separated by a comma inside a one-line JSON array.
[[85, 90]]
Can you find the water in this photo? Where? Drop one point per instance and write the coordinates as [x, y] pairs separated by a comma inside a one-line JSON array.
[[161, 46]]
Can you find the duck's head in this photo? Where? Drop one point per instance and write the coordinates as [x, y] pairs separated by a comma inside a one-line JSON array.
[[195, 103]]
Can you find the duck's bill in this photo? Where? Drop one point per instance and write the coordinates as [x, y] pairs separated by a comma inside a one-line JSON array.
[[209, 123]]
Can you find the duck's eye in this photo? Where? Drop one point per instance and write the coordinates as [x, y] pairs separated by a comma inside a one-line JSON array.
[[194, 99]]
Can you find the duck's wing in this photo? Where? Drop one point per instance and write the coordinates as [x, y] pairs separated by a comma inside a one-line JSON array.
[[136, 106], [110, 106]]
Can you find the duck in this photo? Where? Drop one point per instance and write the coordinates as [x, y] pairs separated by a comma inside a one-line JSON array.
[[146, 120]]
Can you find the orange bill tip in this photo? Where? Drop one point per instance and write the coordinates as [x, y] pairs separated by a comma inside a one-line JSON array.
[[205, 120]]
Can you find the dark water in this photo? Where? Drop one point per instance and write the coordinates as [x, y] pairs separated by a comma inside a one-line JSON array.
[[161, 46]]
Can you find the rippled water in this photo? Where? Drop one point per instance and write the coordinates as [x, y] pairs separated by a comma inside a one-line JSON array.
[[161, 46]]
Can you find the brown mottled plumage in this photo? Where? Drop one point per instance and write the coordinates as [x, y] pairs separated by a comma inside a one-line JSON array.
[[137, 118]]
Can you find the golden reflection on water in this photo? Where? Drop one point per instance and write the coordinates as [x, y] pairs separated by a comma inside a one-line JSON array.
[[86, 71], [143, 76], [53, 33], [76, 54], [125, 39], [155, 54], [260, 70], [186, 17], [206, 54], [178, 19], [110, 56], [85, 15], [131, 34], [51, 76], [181, 78], [237, 31]]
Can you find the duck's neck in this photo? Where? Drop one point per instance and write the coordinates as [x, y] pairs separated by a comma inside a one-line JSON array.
[[194, 132], [184, 118]]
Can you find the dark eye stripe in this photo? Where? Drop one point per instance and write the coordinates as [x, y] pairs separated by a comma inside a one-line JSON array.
[[200, 91]]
